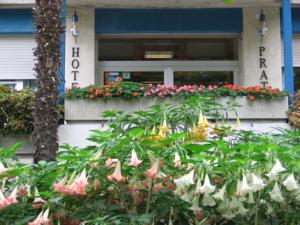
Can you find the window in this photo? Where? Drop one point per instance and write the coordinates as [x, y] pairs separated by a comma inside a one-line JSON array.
[[203, 77], [297, 78], [178, 61], [125, 49]]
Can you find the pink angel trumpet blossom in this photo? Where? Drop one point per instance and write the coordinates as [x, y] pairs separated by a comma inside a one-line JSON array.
[[12, 198], [117, 175], [42, 219], [60, 186], [177, 160], [154, 170], [4, 203], [79, 185], [134, 159]]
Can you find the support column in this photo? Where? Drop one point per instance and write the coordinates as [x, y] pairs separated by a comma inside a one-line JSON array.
[[80, 57], [261, 61], [287, 46], [62, 49]]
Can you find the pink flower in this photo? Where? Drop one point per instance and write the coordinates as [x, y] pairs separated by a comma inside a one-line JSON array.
[[134, 161], [80, 184], [60, 186], [4, 203], [12, 198], [42, 219], [110, 162], [153, 171], [117, 176], [2, 168], [38, 203]]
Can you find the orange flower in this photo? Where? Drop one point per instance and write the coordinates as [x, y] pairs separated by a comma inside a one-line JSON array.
[[120, 89], [135, 94], [91, 96], [91, 90], [107, 89], [107, 94], [251, 98], [98, 92]]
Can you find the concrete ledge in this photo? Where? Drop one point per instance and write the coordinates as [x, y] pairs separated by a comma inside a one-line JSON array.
[[27, 147], [85, 110]]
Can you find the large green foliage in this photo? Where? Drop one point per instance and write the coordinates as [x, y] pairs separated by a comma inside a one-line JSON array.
[[225, 155], [15, 111]]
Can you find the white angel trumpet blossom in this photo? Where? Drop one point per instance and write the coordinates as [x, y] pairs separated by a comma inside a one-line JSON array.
[[185, 180], [220, 194], [276, 169], [275, 194], [134, 161], [290, 183], [207, 188], [208, 200], [257, 183], [245, 188], [177, 160]]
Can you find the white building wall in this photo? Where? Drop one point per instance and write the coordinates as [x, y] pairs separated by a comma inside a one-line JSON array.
[[86, 44], [251, 71]]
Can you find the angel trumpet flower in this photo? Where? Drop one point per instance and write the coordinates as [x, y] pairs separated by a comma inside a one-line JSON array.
[[42, 219], [12, 198], [290, 183], [185, 180], [276, 169], [275, 194], [117, 175], [2, 168], [207, 188], [245, 188], [134, 161], [257, 183], [4, 203], [220, 194], [154, 170], [177, 160]]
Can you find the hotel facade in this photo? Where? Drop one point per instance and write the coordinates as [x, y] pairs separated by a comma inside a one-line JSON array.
[[176, 42]]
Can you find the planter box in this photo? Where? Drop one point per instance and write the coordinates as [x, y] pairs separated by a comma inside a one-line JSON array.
[[86, 110], [27, 147]]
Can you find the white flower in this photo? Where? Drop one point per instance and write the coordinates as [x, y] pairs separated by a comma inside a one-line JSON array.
[[220, 194], [276, 169], [177, 160], [187, 197], [244, 187], [251, 198], [275, 194], [185, 180], [206, 188], [208, 200], [257, 183], [195, 205], [290, 183], [242, 210], [2, 168]]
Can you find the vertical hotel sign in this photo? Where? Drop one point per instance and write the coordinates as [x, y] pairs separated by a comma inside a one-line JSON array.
[[264, 80], [75, 64]]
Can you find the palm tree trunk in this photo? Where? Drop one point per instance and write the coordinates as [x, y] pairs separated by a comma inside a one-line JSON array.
[[48, 23]]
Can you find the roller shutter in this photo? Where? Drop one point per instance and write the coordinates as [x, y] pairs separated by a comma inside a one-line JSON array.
[[16, 57]]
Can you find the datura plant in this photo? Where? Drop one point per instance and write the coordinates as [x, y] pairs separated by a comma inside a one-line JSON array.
[[172, 164]]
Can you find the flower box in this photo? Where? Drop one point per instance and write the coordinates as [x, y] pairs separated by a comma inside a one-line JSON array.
[[91, 110]]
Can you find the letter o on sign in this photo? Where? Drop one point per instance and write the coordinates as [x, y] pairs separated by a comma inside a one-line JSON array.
[[75, 63]]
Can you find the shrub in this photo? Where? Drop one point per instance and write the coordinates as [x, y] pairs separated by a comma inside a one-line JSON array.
[[294, 114], [15, 111], [136, 90]]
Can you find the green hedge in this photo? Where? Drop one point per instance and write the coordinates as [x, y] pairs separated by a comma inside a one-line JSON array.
[[15, 111]]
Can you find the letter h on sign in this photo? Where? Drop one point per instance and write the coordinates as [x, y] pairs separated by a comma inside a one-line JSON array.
[[75, 62]]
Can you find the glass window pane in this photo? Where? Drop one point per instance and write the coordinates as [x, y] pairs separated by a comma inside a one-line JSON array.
[[118, 49], [142, 77], [297, 78], [203, 77]]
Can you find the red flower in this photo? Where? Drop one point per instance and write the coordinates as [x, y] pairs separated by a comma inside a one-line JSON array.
[[135, 94], [107, 94], [91, 90], [98, 92], [250, 89], [91, 96], [264, 91], [251, 98]]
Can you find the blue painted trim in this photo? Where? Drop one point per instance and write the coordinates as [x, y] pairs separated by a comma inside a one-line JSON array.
[[217, 20], [16, 21], [62, 48], [287, 43]]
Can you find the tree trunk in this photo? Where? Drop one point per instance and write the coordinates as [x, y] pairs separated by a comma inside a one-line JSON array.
[[48, 23]]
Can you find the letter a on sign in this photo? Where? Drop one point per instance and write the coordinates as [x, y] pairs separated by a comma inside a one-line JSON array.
[[263, 76]]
